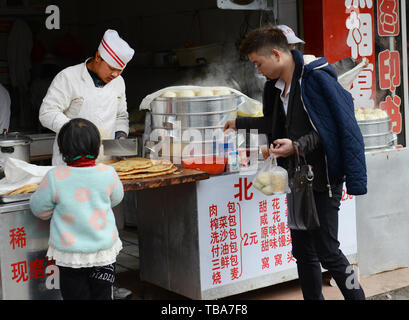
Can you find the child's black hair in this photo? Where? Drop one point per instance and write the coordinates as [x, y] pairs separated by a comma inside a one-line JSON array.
[[79, 137]]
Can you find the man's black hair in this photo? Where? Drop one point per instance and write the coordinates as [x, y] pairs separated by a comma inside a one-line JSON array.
[[79, 137], [263, 40]]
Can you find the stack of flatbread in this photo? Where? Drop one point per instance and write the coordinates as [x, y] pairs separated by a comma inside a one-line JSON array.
[[139, 168], [29, 188]]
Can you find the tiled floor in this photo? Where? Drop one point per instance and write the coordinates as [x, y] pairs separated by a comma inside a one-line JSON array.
[[376, 286]]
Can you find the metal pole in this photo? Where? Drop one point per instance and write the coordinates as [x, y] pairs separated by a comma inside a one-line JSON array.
[[405, 69]]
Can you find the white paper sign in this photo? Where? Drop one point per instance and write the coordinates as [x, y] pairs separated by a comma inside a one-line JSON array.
[[243, 234]]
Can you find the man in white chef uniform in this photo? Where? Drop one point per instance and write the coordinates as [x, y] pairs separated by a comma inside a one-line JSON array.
[[94, 90]]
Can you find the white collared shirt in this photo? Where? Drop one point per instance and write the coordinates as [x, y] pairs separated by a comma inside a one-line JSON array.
[[280, 84]]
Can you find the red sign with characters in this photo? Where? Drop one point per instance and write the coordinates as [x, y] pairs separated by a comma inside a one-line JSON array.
[[224, 242], [392, 107], [362, 29], [388, 17], [17, 237], [389, 61], [389, 70], [349, 32]]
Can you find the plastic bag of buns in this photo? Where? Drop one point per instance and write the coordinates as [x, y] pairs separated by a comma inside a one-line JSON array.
[[271, 178]]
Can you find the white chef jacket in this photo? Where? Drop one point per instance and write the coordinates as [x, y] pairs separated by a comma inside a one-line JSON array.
[[73, 94], [5, 112]]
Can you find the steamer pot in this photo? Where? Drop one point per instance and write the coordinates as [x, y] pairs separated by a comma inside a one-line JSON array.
[[375, 126], [377, 133], [14, 145], [205, 115], [195, 112], [379, 141]]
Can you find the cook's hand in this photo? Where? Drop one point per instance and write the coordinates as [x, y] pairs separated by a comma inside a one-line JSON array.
[[122, 138], [283, 149], [230, 125]]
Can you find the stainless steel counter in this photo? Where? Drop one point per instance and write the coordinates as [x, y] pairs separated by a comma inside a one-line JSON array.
[[179, 244], [383, 213], [13, 207]]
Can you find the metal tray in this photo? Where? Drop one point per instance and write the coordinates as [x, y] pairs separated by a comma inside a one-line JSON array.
[[15, 198], [119, 148]]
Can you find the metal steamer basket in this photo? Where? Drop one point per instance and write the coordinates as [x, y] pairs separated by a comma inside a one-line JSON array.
[[196, 122], [14, 145], [377, 133]]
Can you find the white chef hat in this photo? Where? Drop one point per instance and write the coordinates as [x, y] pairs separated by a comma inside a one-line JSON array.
[[290, 35], [114, 50]]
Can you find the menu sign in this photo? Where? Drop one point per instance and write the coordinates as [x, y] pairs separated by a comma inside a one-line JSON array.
[[243, 234]]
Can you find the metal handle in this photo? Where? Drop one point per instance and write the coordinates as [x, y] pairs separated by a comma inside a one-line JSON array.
[[310, 174], [7, 149]]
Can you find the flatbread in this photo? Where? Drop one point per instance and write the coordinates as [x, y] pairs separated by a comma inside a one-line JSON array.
[[161, 162], [148, 175], [154, 169], [28, 188], [132, 164]]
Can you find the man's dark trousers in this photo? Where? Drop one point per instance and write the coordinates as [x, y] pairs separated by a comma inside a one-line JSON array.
[[310, 248]]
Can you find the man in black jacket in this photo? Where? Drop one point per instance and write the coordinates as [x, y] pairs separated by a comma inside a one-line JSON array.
[[321, 129]]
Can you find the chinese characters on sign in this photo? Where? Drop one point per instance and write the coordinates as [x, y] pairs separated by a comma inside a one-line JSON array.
[[225, 242], [248, 234], [275, 233], [244, 234], [23, 271], [371, 31], [36, 270], [18, 238], [389, 70], [392, 106], [360, 40], [388, 18], [358, 3], [389, 61], [360, 34]]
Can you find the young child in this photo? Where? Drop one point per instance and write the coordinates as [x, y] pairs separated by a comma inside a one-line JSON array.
[[79, 198]]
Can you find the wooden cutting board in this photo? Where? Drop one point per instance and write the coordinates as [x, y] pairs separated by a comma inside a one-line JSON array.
[[181, 176]]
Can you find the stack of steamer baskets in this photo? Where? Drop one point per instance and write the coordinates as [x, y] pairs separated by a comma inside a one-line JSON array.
[[375, 126], [194, 120]]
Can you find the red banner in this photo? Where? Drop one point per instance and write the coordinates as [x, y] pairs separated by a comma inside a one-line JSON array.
[[389, 61], [349, 32]]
